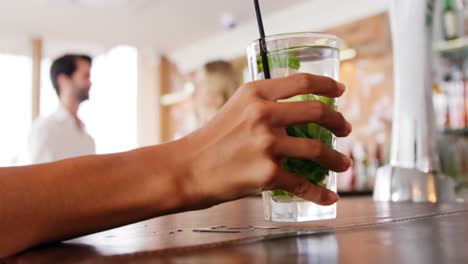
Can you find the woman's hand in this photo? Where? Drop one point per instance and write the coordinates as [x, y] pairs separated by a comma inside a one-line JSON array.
[[236, 154], [240, 152]]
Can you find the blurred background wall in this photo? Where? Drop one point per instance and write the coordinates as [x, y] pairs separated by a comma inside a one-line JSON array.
[[152, 76]]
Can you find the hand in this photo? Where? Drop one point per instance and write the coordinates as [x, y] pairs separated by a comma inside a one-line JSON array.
[[240, 152]]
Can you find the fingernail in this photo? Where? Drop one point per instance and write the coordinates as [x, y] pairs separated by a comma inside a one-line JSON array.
[[347, 161], [340, 86], [349, 128], [333, 197]]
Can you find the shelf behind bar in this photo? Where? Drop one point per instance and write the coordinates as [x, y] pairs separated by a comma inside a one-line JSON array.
[[452, 46]]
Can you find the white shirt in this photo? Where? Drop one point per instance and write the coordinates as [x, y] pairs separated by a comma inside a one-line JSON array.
[[58, 137]]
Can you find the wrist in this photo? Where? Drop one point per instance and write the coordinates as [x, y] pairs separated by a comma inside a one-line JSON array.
[[163, 170], [186, 170], [200, 188]]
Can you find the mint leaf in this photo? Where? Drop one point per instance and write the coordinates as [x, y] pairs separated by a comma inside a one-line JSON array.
[[281, 193], [295, 131], [280, 61], [311, 170], [328, 101]]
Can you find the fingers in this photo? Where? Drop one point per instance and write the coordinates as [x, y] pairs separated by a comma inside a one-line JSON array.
[[271, 113], [302, 83], [294, 113], [312, 149], [301, 187]]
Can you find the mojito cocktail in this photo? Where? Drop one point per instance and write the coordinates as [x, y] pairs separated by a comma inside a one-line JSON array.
[[289, 54]]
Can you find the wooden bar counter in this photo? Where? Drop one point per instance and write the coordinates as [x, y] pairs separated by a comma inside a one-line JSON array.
[[235, 232]]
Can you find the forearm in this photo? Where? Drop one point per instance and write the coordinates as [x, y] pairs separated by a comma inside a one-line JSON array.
[[238, 153], [83, 195]]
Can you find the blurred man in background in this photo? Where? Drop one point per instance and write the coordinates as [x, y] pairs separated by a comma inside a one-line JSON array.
[[62, 134]]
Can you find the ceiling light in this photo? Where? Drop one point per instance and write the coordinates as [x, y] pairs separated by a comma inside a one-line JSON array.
[[228, 21]]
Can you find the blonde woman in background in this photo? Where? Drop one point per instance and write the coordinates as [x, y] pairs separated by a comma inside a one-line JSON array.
[[216, 82]]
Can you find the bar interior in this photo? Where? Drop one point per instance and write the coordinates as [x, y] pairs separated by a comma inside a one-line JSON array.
[[107, 80]]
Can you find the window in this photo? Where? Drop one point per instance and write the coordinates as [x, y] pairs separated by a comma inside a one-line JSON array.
[[49, 100], [111, 113], [15, 106]]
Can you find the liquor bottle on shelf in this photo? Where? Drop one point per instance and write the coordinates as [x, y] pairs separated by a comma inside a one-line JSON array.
[[354, 178], [364, 173], [379, 155], [440, 99], [456, 99], [452, 19], [465, 91]]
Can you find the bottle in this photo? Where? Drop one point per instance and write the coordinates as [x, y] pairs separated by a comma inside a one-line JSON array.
[[364, 177], [379, 155], [353, 178], [450, 20], [465, 102], [447, 92], [465, 91], [456, 99]]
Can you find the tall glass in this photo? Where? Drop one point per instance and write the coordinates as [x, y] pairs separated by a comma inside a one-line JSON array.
[[289, 54]]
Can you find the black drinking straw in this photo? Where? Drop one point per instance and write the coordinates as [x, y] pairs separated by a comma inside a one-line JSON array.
[[263, 48]]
